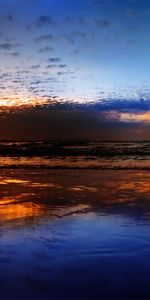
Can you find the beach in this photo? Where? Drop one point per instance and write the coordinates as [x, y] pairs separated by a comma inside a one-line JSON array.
[[68, 234]]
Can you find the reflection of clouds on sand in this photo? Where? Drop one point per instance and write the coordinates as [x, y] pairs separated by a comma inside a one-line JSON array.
[[55, 193], [141, 187], [24, 210], [12, 180], [25, 195], [20, 197], [48, 185], [19, 211], [61, 212], [104, 186], [82, 188], [27, 183]]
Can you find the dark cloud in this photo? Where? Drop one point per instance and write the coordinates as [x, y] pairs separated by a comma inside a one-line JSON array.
[[34, 67], [68, 19], [7, 19], [8, 46], [98, 3], [46, 49], [45, 20], [4, 75], [132, 13], [74, 36], [23, 72], [54, 59], [118, 105], [15, 54], [75, 52], [10, 18], [103, 23], [36, 82], [18, 81], [62, 66], [60, 122], [50, 66], [43, 38], [78, 21], [65, 73], [82, 21], [61, 73]]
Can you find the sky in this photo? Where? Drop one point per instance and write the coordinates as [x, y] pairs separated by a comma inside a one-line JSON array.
[[74, 69]]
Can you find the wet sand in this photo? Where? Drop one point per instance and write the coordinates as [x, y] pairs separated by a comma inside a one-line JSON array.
[[74, 234]]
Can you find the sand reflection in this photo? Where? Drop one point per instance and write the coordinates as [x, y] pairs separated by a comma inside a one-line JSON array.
[[56, 194]]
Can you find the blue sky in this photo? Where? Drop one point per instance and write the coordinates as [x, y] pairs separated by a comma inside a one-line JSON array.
[[89, 52], [81, 50]]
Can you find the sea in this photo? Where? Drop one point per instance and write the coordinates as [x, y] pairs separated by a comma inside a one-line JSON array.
[[75, 220], [75, 155]]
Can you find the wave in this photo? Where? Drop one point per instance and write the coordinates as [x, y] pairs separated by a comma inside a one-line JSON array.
[[120, 155]]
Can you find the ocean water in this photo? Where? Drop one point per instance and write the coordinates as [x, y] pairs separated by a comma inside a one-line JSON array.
[[83, 155], [74, 231]]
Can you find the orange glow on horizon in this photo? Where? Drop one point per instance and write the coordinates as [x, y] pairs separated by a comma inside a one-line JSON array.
[[15, 102], [140, 117]]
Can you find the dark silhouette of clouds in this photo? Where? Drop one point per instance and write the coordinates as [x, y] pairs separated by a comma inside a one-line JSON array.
[[62, 66], [34, 67], [43, 38], [8, 46], [10, 18], [45, 49], [15, 54], [103, 23], [74, 36], [45, 20], [61, 122], [50, 66], [54, 59]]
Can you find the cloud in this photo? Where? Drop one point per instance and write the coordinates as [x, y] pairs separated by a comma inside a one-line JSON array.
[[36, 82], [65, 73], [44, 21], [103, 23], [54, 59], [10, 18], [46, 49], [75, 52], [43, 38], [23, 72], [8, 46], [50, 66], [62, 66], [34, 67], [131, 13], [74, 36], [68, 19], [7, 19], [16, 54], [58, 122]]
